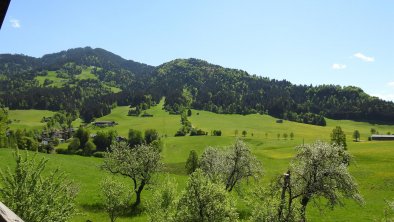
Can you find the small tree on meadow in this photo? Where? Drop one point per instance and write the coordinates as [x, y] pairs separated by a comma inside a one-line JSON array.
[[317, 171], [89, 148], [373, 131], [139, 164], [204, 200], [151, 135], [278, 135], [244, 133], [230, 166], [338, 137], [83, 135], [74, 145], [285, 136], [192, 162], [291, 135], [163, 204], [116, 197], [356, 135], [236, 132], [135, 138]]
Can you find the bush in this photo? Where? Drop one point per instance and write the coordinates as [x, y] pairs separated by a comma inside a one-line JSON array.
[[37, 196], [99, 154], [62, 151], [197, 132], [79, 152], [217, 133], [180, 133]]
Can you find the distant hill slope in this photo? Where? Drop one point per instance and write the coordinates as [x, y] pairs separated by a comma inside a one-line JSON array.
[[223, 90], [55, 82]]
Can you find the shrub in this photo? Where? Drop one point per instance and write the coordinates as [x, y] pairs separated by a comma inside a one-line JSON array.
[[79, 152], [99, 154], [197, 132], [180, 133], [217, 133], [36, 197], [62, 151]]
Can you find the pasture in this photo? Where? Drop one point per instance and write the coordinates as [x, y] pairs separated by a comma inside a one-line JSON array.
[[373, 167]]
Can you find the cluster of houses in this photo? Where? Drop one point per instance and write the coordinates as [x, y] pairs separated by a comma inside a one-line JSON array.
[[60, 134]]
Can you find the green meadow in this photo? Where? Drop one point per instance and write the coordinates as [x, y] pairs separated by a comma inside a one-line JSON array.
[[373, 167], [59, 82], [51, 75], [28, 119]]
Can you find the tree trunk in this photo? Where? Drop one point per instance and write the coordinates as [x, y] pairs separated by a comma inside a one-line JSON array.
[[304, 203], [138, 194], [286, 184]]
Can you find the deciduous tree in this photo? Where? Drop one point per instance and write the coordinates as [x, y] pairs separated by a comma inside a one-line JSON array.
[[138, 163], [338, 137], [35, 197], [318, 171], [231, 165], [204, 200], [116, 197], [192, 162], [356, 135]]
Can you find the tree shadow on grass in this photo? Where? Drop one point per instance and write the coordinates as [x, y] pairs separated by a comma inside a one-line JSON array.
[[99, 208], [94, 208], [175, 168]]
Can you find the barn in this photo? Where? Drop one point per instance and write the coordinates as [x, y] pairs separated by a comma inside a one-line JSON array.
[[382, 137]]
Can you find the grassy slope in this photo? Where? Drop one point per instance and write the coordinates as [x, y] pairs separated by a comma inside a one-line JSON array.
[[59, 82], [29, 119], [373, 168], [166, 124]]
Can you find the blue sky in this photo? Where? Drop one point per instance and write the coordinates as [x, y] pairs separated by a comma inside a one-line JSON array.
[[306, 42]]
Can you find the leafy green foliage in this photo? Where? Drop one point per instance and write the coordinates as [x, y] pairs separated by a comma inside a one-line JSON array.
[[338, 137], [104, 139], [135, 138], [151, 135], [317, 171], [139, 164], [192, 162], [356, 135], [231, 165], [83, 135], [89, 148], [204, 200], [3, 127], [74, 145], [116, 197], [34, 197], [163, 205]]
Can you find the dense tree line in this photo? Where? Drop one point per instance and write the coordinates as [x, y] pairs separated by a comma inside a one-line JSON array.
[[185, 83]]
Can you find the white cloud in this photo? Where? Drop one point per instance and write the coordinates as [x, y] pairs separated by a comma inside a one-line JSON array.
[[15, 23], [387, 97], [363, 57], [390, 84], [338, 66]]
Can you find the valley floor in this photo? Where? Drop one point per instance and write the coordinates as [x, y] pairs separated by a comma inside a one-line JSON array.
[[373, 167]]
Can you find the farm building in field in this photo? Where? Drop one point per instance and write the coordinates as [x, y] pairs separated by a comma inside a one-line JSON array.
[[382, 137], [104, 123]]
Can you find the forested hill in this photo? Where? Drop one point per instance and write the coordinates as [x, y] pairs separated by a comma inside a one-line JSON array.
[[89, 82]]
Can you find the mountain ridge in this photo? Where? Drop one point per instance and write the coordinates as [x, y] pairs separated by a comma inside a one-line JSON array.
[[185, 83]]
